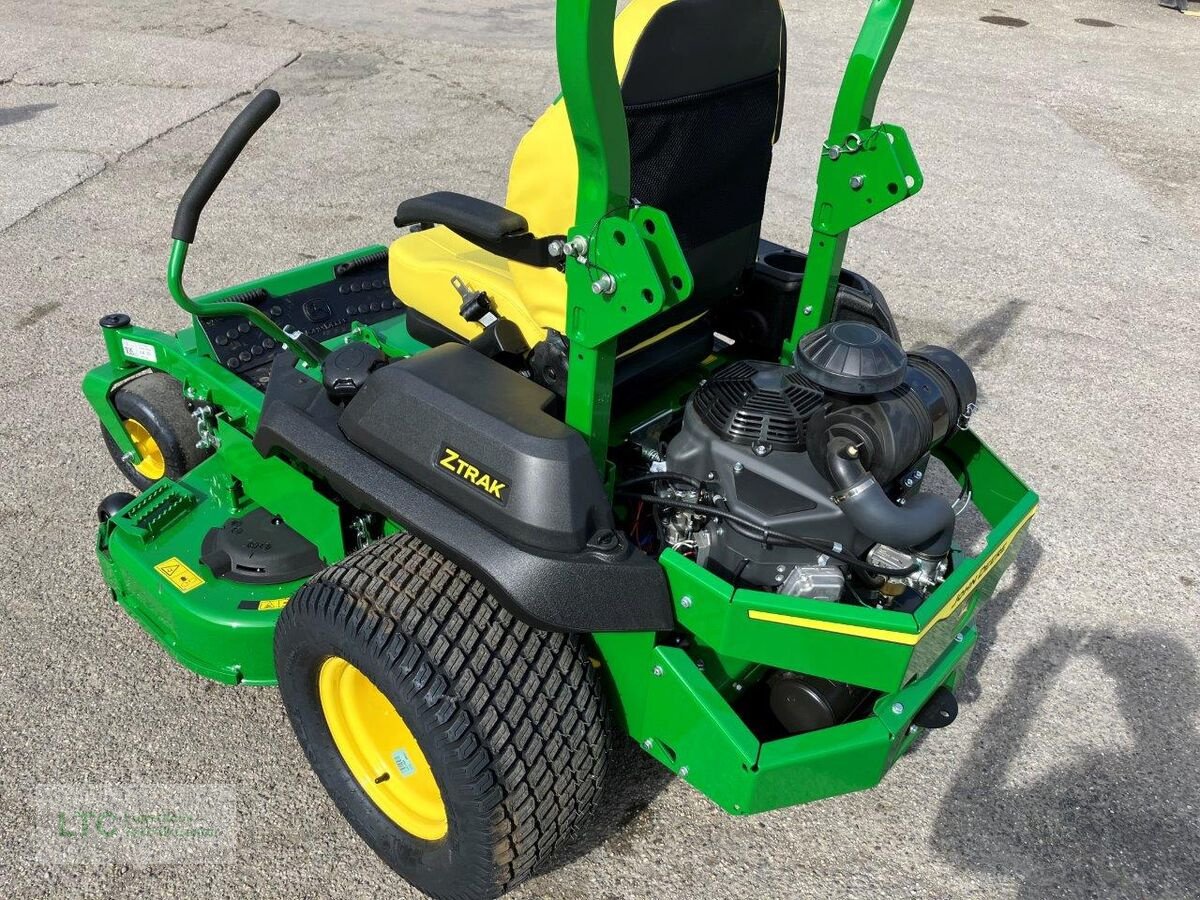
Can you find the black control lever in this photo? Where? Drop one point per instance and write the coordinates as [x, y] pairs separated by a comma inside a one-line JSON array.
[[220, 161]]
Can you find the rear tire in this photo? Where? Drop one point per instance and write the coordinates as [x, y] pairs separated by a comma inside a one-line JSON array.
[[511, 722], [157, 417]]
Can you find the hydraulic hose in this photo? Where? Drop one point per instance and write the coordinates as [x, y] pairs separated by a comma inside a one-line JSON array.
[[925, 524]]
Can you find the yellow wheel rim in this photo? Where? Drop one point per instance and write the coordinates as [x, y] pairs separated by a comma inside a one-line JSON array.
[[380, 751], [153, 465]]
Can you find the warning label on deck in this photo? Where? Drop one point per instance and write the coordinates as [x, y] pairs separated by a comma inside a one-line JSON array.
[[180, 576]]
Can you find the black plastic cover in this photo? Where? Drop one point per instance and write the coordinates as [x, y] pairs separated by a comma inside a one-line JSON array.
[[852, 358], [259, 549], [478, 435], [346, 369], [759, 404], [595, 590]]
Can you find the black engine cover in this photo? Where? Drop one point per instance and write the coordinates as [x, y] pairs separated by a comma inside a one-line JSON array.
[[478, 435]]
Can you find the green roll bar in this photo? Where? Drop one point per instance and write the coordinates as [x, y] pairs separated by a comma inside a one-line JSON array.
[[614, 285]]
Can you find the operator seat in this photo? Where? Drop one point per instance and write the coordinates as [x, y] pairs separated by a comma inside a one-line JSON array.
[[702, 82]]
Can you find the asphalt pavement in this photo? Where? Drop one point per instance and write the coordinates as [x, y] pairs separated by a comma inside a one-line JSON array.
[[1056, 245]]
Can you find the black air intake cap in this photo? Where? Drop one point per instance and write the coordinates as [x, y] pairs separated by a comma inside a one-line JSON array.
[[852, 358]]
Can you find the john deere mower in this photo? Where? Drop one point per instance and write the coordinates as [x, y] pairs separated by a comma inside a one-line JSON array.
[[599, 462]]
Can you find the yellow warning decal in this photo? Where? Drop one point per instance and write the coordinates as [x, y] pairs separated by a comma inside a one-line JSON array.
[[264, 605], [181, 577]]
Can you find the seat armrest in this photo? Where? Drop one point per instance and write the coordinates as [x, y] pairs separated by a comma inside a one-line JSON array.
[[465, 216], [494, 228]]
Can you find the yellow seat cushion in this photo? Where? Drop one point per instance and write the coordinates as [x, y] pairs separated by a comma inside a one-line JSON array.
[[421, 265], [542, 187]]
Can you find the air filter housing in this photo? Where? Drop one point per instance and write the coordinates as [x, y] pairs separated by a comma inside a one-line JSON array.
[[759, 404], [852, 358]]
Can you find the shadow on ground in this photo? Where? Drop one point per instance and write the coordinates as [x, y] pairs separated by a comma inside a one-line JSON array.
[[970, 688], [977, 342], [1104, 822], [13, 114]]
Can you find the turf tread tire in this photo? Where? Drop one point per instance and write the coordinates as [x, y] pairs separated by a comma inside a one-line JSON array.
[[513, 720]]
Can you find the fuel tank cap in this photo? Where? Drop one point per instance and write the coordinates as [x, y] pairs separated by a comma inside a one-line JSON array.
[[853, 358]]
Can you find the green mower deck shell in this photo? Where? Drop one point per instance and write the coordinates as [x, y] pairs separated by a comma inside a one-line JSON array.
[[218, 629]]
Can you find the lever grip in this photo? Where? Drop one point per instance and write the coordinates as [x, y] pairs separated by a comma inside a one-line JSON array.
[[219, 162]]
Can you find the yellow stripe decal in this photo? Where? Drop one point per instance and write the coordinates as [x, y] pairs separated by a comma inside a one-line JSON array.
[[897, 637]]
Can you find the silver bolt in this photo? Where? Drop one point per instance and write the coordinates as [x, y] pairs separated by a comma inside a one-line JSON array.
[[779, 579], [780, 569], [576, 246], [686, 602], [808, 310], [738, 468], [908, 482], [958, 638], [556, 249], [127, 457], [737, 686], [912, 729], [856, 182], [648, 743], [918, 475], [712, 476], [658, 671], [852, 452], [761, 449], [606, 284], [898, 708], [683, 772]]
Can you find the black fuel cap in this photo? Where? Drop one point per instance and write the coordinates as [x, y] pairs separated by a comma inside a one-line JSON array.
[[347, 369], [852, 358]]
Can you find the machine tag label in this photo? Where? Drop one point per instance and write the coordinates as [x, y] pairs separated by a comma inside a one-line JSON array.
[[404, 765], [455, 463], [138, 350], [181, 577]]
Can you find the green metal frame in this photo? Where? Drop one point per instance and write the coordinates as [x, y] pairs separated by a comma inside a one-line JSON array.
[[681, 699]]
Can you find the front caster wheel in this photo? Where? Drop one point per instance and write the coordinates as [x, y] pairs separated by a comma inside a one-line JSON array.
[[461, 744], [157, 419]]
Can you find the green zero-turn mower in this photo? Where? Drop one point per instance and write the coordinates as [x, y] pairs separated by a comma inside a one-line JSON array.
[[602, 461]]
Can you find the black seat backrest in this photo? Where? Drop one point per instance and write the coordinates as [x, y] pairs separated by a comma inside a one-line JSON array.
[[704, 97]]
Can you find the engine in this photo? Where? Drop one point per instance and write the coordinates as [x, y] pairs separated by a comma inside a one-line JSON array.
[[806, 480]]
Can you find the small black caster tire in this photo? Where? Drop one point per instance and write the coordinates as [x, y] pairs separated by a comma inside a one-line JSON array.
[[158, 420], [113, 504]]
